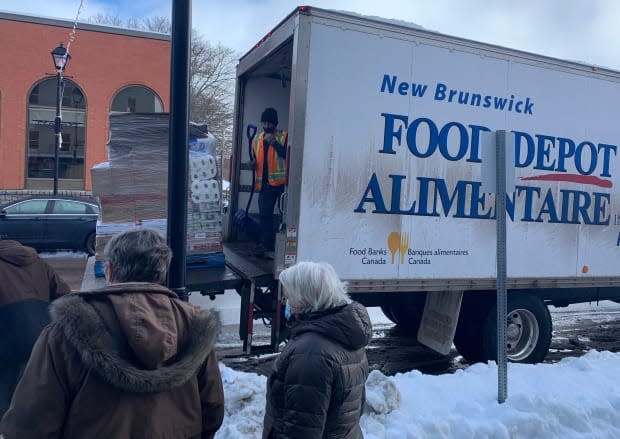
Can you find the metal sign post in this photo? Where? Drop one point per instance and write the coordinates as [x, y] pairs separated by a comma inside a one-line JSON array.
[[498, 177], [502, 301]]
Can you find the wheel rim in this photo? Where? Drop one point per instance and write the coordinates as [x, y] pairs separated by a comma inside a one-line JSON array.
[[522, 334]]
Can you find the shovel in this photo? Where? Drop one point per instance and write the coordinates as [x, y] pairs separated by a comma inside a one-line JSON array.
[[242, 219]]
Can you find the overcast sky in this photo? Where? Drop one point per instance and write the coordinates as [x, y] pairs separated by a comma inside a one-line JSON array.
[[579, 30]]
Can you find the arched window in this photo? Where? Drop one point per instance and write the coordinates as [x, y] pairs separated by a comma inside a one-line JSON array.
[[137, 99], [42, 141]]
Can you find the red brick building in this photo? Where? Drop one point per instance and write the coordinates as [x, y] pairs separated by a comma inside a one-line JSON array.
[[111, 69]]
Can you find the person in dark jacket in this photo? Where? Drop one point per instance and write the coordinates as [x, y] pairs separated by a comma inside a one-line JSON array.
[[317, 386], [27, 285], [130, 360]]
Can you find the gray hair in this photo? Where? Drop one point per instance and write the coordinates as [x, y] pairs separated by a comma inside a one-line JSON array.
[[139, 256], [314, 286]]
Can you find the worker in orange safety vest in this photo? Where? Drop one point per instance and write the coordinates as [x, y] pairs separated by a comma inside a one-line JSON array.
[[270, 164]]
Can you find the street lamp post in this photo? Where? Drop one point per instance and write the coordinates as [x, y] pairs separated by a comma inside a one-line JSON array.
[[61, 59]]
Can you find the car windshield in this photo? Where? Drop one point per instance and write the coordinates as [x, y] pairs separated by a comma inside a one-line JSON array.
[[28, 207]]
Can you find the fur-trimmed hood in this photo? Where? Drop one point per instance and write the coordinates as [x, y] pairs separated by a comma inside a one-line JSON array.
[[139, 337]]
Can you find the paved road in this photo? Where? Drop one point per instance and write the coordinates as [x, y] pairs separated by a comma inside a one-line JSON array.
[[577, 329], [70, 266]]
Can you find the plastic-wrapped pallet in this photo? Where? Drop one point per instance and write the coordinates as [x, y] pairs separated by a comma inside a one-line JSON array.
[[132, 185], [204, 218]]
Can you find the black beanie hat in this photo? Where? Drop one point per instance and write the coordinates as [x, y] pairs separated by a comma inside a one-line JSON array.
[[269, 115]]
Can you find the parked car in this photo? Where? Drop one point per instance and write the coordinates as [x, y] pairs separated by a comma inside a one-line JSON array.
[[51, 223]]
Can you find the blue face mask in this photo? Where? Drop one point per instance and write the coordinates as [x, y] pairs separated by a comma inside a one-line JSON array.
[[287, 311]]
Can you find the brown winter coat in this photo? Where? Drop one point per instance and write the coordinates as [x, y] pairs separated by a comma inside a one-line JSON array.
[[130, 360], [25, 276], [317, 386], [27, 285]]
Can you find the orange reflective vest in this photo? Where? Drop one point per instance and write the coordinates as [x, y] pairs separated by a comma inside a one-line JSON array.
[[276, 165]]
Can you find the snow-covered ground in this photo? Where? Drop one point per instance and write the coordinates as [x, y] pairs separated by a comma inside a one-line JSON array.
[[575, 398], [63, 254]]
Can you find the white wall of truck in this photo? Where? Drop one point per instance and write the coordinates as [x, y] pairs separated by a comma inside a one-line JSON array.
[[384, 126]]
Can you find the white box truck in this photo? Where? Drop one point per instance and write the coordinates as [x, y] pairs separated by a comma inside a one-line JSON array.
[[385, 121]]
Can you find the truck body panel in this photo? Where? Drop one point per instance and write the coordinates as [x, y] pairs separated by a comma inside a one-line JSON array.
[[385, 121], [388, 142]]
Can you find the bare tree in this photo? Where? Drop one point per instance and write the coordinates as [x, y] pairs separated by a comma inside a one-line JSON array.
[[212, 76], [107, 19], [157, 24], [211, 90]]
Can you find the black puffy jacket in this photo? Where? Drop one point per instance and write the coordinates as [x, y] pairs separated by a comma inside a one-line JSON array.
[[316, 388]]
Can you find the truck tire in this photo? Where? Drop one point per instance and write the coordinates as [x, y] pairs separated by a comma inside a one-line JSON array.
[[528, 330], [468, 338], [406, 316], [387, 311]]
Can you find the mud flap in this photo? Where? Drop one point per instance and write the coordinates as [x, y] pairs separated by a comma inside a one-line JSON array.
[[439, 320]]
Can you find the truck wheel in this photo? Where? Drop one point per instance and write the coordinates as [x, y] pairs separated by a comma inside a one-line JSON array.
[[528, 330], [407, 317], [468, 338], [387, 311]]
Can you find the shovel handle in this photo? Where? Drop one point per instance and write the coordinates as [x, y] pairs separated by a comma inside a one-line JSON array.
[[251, 132]]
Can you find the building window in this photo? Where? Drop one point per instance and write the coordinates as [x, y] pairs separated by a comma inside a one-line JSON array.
[[136, 99], [41, 139]]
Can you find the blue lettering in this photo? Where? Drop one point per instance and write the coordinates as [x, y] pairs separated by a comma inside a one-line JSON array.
[[388, 82], [528, 202], [500, 103], [530, 149], [606, 150], [548, 207], [418, 89], [396, 191], [412, 138], [581, 202], [459, 193], [474, 154], [389, 133], [600, 215], [477, 203], [578, 158], [423, 197], [440, 92], [543, 152], [564, 153], [518, 107], [463, 141], [372, 194]]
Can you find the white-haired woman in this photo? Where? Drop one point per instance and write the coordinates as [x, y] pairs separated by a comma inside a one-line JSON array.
[[316, 388]]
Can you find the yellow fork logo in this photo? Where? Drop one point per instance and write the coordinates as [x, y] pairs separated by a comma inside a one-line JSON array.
[[398, 242]]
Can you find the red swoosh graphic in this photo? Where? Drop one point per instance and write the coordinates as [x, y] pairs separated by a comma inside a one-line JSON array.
[[573, 178]]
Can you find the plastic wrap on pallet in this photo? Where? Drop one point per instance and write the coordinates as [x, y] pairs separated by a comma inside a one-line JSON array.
[[132, 185]]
